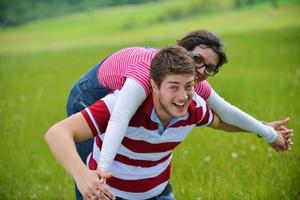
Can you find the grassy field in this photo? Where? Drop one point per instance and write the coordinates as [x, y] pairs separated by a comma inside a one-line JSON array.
[[40, 61]]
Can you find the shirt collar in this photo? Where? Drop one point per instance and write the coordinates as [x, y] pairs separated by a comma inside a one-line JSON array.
[[154, 117]]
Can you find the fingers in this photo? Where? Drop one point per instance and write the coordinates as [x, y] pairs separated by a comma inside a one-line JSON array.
[[103, 192], [99, 194], [285, 132], [98, 191], [279, 143], [281, 128], [103, 173], [289, 144], [283, 140], [108, 193]]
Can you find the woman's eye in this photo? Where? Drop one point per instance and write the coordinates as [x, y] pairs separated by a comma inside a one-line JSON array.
[[210, 68], [198, 60]]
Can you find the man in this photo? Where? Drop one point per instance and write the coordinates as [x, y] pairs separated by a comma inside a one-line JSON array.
[[141, 169]]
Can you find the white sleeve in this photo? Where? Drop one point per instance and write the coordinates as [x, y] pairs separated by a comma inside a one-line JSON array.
[[234, 116], [131, 96]]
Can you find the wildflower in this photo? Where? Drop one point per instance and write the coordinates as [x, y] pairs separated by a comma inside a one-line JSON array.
[[234, 155], [206, 158], [253, 147], [33, 196]]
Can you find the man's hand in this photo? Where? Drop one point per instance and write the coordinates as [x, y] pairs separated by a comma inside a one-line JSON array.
[[92, 187], [283, 140]]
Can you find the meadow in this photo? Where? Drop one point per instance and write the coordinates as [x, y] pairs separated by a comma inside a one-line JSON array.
[[41, 60]]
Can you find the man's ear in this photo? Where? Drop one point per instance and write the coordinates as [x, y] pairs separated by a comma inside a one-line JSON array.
[[154, 86]]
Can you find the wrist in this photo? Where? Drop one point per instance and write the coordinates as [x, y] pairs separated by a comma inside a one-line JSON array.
[[78, 170], [103, 167], [271, 133]]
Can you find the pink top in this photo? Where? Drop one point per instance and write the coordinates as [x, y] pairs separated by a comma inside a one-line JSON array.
[[134, 62]]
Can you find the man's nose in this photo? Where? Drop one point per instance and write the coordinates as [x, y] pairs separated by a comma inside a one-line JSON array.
[[182, 95]]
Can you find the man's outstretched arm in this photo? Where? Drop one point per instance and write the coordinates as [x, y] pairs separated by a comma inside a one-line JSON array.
[[61, 139]]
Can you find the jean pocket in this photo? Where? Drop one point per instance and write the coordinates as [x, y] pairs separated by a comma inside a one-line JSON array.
[[87, 92]]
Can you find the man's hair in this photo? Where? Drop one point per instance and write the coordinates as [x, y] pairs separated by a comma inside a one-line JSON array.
[[206, 39], [171, 60]]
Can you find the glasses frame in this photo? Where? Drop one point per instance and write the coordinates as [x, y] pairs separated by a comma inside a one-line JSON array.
[[199, 65]]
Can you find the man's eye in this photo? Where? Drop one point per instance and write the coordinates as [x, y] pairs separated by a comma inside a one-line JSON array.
[[173, 88], [189, 87]]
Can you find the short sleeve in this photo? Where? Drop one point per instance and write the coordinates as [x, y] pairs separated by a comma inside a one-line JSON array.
[[203, 89], [97, 116]]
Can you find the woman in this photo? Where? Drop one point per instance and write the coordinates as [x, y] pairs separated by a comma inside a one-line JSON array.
[[128, 71]]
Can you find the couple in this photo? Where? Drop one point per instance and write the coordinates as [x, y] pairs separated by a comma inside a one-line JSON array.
[[170, 105]]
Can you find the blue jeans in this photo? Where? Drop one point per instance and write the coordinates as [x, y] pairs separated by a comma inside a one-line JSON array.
[[86, 91], [167, 194]]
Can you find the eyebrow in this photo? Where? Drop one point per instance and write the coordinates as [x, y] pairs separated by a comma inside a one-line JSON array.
[[175, 82]]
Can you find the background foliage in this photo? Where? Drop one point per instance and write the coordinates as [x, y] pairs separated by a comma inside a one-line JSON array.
[[16, 12]]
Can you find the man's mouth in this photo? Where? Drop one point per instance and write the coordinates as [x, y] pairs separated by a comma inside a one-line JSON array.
[[179, 104]]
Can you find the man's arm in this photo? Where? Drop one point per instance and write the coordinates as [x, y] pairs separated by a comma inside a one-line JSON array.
[[219, 124], [61, 139]]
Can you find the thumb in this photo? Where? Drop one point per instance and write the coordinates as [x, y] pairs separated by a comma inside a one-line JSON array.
[[103, 174], [285, 121]]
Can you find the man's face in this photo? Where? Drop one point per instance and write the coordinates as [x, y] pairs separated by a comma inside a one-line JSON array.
[[210, 58], [173, 97]]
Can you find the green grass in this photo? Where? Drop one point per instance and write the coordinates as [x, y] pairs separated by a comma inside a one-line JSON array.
[[40, 61], [264, 81]]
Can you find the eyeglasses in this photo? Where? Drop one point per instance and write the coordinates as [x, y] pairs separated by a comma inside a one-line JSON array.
[[210, 70]]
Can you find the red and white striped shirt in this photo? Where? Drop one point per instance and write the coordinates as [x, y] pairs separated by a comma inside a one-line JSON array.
[[134, 62], [141, 168]]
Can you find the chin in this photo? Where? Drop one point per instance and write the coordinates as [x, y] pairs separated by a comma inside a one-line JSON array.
[[179, 113]]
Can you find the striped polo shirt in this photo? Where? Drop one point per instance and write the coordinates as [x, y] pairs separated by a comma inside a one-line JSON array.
[[134, 62], [141, 168]]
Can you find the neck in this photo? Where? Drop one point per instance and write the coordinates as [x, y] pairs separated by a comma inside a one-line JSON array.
[[164, 117], [164, 121]]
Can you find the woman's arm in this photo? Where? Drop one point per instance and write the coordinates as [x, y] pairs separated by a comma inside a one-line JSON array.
[[234, 116], [130, 98]]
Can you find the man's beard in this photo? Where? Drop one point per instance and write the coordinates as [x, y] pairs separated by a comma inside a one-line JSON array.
[[162, 105]]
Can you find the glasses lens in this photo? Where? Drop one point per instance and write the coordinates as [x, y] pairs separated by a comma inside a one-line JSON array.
[[198, 60], [209, 70]]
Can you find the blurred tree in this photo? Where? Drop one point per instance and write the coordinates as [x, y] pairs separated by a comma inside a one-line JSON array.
[[15, 12], [238, 3], [250, 2], [274, 3]]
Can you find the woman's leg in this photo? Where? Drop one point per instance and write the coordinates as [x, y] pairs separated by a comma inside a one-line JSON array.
[[84, 93]]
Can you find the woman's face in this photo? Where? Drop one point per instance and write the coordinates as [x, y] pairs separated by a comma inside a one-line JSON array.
[[209, 62]]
